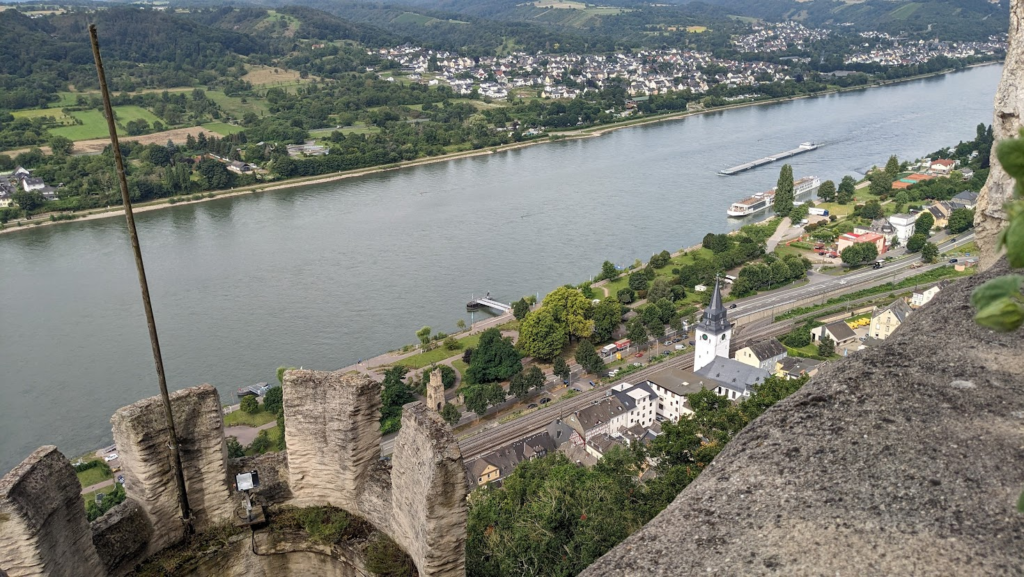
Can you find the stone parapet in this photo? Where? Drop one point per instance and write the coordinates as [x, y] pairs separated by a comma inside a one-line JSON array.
[[121, 537], [142, 439], [43, 529]]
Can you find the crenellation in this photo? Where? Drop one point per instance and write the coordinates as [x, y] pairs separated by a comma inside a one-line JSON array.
[[121, 537], [43, 529], [141, 435]]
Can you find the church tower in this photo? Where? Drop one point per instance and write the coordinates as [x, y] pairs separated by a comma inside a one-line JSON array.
[[713, 333]]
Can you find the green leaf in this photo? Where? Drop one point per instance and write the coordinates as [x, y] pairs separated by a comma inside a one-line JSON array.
[[995, 289], [1014, 240], [1003, 315], [1020, 503], [1011, 156]]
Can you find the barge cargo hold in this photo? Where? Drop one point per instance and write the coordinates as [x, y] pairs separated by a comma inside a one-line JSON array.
[[804, 147]]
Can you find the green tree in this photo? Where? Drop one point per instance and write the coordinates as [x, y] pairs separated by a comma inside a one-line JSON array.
[[607, 316], [250, 405], [273, 401], [892, 168], [827, 191], [588, 358], [660, 289], [799, 212], [460, 324], [280, 373], [826, 346], [924, 223], [881, 184], [424, 335], [452, 344], [859, 253], [520, 308], [494, 359], [28, 201], [572, 310], [960, 220], [783, 202], [608, 270], [638, 281], [393, 395], [534, 377], [518, 386], [916, 242], [61, 145], [235, 449], [541, 336], [451, 414], [561, 368], [635, 331], [626, 295], [847, 188], [900, 200], [480, 397], [872, 210], [929, 252]]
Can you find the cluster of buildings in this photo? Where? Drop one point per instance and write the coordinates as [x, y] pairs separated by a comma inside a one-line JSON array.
[[634, 412], [569, 75], [20, 179], [890, 50], [778, 37]]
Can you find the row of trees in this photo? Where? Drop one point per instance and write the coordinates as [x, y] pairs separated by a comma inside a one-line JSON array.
[[773, 272]]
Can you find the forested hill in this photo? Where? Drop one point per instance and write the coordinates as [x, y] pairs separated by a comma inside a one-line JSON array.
[[947, 19], [293, 22]]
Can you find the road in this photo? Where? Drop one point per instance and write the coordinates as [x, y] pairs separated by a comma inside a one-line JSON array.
[[495, 435]]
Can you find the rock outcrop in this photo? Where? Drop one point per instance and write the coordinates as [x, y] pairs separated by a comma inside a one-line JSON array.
[[904, 459], [989, 215]]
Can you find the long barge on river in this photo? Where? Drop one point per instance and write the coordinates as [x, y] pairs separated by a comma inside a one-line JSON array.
[[804, 147]]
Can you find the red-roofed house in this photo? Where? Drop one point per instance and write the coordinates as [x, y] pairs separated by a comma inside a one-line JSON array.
[[942, 166], [849, 239]]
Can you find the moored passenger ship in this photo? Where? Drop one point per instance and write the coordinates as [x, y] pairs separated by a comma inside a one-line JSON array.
[[763, 200]]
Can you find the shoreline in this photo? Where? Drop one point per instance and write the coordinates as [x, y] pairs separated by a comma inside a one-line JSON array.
[[590, 132]]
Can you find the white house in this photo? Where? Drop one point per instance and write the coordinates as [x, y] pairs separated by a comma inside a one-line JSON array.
[[764, 354], [919, 299], [904, 225]]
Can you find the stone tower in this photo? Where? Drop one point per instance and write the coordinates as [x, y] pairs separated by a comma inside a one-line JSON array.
[[435, 391], [713, 332]]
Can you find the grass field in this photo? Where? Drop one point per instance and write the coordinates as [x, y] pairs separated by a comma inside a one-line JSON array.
[[666, 272], [222, 128], [439, 354], [41, 112], [234, 106], [240, 417], [95, 126], [94, 475], [260, 75], [697, 29]]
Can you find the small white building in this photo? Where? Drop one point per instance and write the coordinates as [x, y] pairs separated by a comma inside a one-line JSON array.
[[904, 225], [919, 299]]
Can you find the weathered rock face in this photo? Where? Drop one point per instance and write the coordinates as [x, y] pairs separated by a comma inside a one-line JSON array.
[[332, 434], [989, 216], [904, 459], [429, 493], [121, 537], [43, 530], [141, 435], [283, 555]]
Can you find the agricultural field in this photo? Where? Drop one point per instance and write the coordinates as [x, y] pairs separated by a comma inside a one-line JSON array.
[[95, 126], [222, 128], [259, 75], [234, 106], [43, 112]]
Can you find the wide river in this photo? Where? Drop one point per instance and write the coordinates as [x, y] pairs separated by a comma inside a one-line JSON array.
[[324, 275]]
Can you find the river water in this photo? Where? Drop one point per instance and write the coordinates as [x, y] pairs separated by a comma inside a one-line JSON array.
[[324, 275]]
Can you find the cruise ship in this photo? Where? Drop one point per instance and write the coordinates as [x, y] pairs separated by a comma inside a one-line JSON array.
[[763, 200]]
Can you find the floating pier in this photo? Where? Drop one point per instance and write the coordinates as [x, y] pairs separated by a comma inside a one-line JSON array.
[[488, 303], [804, 147]]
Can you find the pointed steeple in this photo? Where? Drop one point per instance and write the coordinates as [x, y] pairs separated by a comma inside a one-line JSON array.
[[714, 320]]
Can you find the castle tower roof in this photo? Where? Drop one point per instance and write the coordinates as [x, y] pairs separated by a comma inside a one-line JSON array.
[[714, 319]]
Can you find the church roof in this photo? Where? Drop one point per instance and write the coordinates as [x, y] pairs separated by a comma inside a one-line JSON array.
[[714, 320], [733, 374]]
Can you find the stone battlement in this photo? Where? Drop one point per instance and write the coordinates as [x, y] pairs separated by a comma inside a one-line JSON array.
[[333, 459]]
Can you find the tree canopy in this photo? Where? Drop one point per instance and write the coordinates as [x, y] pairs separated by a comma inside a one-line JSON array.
[[827, 191], [541, 336], [783, 202], [924, 223], [494, 359]]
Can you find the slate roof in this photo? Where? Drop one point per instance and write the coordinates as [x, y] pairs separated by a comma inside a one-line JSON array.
[[900, 308], [686, 383], [967, 197], [797, 366], [596, 415], [506, 458], [714, 320], [841, 331], [765, 350], [733, 374], [602, 442]]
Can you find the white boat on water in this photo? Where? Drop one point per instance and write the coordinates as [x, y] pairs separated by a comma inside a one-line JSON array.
[[763, 200]]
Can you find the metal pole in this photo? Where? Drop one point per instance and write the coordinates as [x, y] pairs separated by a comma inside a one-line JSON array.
[[179, 475]]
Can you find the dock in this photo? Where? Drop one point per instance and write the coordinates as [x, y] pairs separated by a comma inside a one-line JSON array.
[[804, 147], [488, 303]]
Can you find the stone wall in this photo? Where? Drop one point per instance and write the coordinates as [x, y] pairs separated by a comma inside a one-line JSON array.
[[904, 459], [43, 530], [989, 216], [333, 457]]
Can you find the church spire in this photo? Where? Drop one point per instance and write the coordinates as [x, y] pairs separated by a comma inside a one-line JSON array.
[[714, 319]]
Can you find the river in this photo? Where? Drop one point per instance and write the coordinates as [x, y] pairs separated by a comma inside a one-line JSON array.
[[323, 275]]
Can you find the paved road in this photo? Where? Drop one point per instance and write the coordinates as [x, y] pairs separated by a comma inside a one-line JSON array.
[[245, 434]]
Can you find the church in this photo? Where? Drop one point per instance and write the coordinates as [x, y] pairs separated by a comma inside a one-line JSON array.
[[711, 363]]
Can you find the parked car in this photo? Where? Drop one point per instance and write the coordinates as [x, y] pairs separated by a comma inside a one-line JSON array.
[[639, 355], [592, 383], [531, 406], [677, 339], [565, 381], [638, 364], [110, 457], [680, 347], [952, 260], [732, 306], [952, 240], [667, 343], [120, 479], [577, 390], [666, 353], [691, 343], [545, 400]]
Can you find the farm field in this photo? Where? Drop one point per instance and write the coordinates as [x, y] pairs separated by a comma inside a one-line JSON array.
[[222, 128], [95, 126], [234, 106], [260, 75], [178, 135]]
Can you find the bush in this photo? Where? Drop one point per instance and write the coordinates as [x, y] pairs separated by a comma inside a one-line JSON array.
[[325, 525], [386, 559], [452, 344], [235, 449], [250, 405], [273, 401]]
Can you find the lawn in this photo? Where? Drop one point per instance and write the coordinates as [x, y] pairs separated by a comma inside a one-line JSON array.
[[968, 249], [94, 125], [666, 272], [274, 434], [460, 366], [95, 475], [439, 354], [223, 128], [234, 106], [240, 417], [808, 352], [41, 112]]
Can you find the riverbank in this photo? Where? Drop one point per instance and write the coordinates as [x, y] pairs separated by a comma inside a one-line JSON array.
[[594, 131]]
